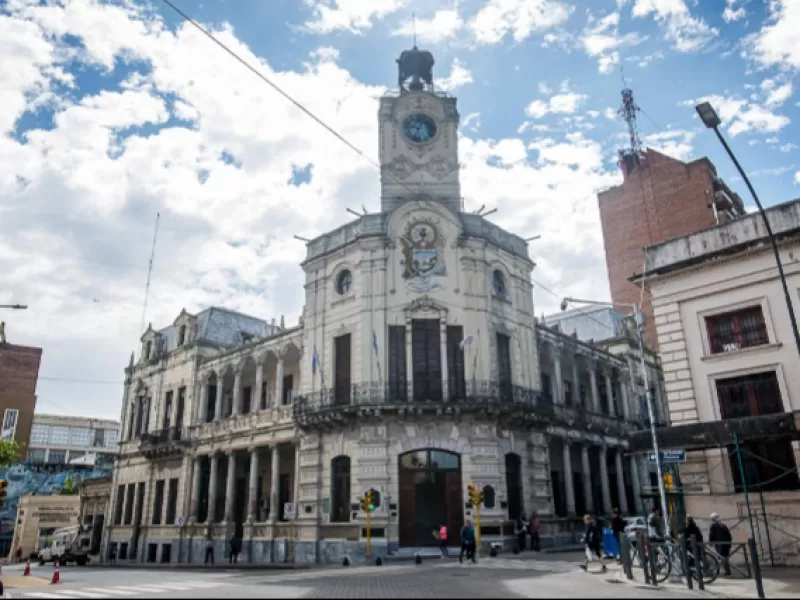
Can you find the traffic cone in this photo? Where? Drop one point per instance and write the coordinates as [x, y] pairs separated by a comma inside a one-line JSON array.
[[27, 571], [56, 576]]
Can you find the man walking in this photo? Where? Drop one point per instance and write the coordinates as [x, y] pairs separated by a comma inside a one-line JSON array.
[[720, 536], [467, 542], [618, 529], [592, 540]]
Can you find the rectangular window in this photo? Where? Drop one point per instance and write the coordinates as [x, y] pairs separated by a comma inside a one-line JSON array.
[[111, 437], [181, 406], [181, 335], [167, 411], [398, 383], [504, 365], [567, 392], [120, 505], [36, 455], [264, 399], [129, 504], [40, 434], [10, 418], [768, 466], [172, 501], [456, 381], [288, 391], [212, 402], [158, 502], [426, 355], [57, 457], [247, 392], [79, 436], [547, 390], [735, 330], [59, 436], [342, 371]]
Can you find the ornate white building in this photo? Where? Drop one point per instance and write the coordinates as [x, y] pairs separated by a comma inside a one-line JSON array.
[[414, 371]]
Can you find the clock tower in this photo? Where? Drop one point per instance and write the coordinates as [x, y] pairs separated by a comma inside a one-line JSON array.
[[418, 138]]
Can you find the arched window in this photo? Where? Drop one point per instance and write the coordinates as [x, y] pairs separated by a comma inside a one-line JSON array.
[[499, 283], [343, 282], [340, 489], [514, 485], [488, 496]]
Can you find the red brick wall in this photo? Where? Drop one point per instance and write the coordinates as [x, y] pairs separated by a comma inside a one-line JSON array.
[[19, 371], [659, 200]]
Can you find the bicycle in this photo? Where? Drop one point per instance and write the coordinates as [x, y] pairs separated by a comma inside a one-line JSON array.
[[669, 556]]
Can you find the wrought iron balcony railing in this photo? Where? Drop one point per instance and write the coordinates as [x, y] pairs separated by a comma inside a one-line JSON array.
[[162, 436]]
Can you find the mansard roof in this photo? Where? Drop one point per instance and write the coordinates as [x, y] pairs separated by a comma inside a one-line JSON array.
[[223, 326]]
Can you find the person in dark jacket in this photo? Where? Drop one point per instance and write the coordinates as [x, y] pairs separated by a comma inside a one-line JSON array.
[[692, 529], [467, 542], [618, 528], [593, 541], [720, 535]]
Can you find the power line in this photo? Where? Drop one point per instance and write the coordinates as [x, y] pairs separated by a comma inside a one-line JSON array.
[[67, 380], [578, 310]]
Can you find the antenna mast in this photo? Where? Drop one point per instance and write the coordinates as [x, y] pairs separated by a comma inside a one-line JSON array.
[[149, 272], [414, 28], [631, 156]]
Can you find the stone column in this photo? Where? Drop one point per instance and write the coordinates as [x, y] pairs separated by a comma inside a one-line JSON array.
[[609, 393], [273, 489], [623, 497], [443, 352], [595, 389], [296, 482], [220, 397], [195, 500], [229, 486], [259, 397], [279, 383], [637, 485], [410, 362], [237, 392], [576, 382], [604, 479], [626, 408], [568, 487], [212, 488], [253, 488], [588, 496], [558, 378], [203, 408]]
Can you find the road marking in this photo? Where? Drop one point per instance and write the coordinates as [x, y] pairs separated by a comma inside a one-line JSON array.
[[107, 591], [85, 594], [47, 595]]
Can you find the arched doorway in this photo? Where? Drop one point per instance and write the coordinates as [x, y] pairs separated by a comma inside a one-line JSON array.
[[430, 494]]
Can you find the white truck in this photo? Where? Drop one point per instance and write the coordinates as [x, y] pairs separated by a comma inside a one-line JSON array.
[[65, 546]]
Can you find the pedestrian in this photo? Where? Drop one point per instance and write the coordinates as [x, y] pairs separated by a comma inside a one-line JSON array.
[[720, 535], [467, 542], [618, 529], [114, 555], [209, 552], [655, 526], [443, 539], [535, 528], [521, 531], [592, 540]]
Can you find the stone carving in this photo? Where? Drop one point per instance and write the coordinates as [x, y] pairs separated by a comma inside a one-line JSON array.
[[375, 433], [423, 256], [439, 167], [482, 431], [403, 167], [426, 304]]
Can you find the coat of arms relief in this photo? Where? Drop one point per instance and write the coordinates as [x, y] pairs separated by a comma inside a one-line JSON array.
[[423, 265]]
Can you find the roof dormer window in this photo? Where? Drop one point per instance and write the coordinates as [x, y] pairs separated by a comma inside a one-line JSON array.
[[181, 335]]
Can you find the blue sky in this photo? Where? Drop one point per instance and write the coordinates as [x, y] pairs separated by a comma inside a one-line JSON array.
[[118, 110]]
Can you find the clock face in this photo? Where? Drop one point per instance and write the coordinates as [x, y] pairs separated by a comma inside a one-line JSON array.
[[419, 128]]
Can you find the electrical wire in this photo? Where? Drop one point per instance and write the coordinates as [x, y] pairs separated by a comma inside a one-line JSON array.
[[578, 310], [67, 380]]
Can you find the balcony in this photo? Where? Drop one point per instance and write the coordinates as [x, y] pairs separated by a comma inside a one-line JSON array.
[[163, 442], [508, 404]]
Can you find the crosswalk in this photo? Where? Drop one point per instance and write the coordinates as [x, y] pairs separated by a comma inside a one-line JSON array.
[[515, 564], [122, 591]]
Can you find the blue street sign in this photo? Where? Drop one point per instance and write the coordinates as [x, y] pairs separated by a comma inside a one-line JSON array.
[[670, 456]]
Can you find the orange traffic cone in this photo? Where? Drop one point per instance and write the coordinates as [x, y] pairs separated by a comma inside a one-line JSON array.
[[56, 576], [27, 571]]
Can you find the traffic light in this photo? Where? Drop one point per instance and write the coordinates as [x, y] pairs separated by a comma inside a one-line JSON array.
[[668, 482], [475, 495], [3, 492], [368, 502]]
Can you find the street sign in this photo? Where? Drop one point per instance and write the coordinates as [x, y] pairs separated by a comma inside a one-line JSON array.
[[288, 510], [670, 456]]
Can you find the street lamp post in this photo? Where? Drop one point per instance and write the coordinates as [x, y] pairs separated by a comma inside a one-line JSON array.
[[711, 120], [637, 315]]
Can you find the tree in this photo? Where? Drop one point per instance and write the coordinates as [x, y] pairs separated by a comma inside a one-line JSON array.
[[9, 453]]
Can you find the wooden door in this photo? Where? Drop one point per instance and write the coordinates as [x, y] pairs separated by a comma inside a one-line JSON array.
[[407, 533], [427, 359], [455, 512]]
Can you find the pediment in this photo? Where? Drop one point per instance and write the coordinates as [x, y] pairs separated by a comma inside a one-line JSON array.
[[425, 304]]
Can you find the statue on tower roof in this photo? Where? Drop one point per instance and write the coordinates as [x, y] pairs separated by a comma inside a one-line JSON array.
[[417, 65]]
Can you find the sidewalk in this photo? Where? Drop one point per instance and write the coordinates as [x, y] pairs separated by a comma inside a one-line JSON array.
[[220, 566], [18, 581]]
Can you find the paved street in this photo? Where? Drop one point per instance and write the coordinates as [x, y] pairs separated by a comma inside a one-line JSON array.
[[509, 576]]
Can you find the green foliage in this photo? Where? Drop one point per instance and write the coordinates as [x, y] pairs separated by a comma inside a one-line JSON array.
[[9, 453]]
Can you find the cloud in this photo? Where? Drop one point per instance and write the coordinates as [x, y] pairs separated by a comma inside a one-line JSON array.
[[172, 125], [459, 76], [349, 15], [602, 40], [732, 13], [676, 143], [520, 18], [444, 25], [688, 33], [776, 44], [564, 103], [741, 116], [779, 95]]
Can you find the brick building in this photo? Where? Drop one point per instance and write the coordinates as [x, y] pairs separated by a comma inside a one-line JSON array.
[[660, 198], [19, 372]]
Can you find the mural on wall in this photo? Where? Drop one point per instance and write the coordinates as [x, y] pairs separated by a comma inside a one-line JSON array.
[[423, 256], [42, 480]]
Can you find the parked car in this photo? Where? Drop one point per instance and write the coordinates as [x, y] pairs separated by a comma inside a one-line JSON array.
[[635, 524]]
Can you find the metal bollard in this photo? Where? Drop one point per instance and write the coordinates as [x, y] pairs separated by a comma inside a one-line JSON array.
[[697, 551], [640, 541], [625, 554], [685, 562], [652, 564], [751, 544]]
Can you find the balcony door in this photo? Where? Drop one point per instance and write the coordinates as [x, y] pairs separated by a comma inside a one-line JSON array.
[[427, 359]]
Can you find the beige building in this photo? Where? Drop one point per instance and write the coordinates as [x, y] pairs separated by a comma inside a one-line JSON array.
[[59, 439], [38, 516], [95, 496], [413, 371], [728, 351]]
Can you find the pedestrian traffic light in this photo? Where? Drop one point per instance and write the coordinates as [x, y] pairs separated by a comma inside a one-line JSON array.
[[3, 492], [367, 502]]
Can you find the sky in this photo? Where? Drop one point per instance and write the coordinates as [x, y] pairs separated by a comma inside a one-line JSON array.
[[116, 111]]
